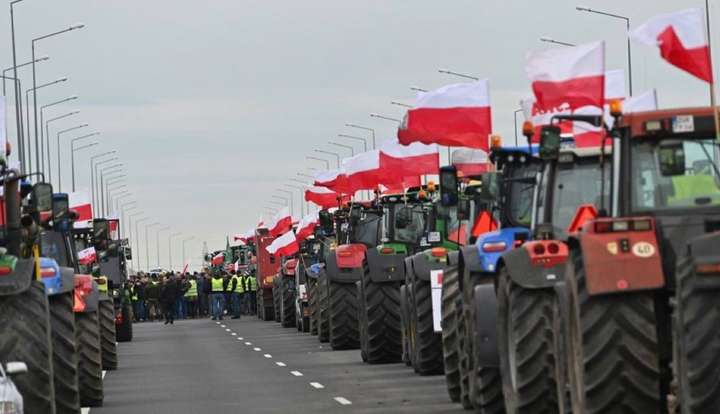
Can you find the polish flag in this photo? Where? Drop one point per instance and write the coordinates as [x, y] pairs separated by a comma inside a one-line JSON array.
[[469, 162], [399, 161], [79, 201], [307, 226], [646, 101], [335, 180], [455, 115], [87, 256], [540, 117], [587, 135], [245, 237], [285, 245], [281, 222], [573, 76], [682, 40], [400, 187], [324, 197], [261, 223], [362, 170], [218, 259]]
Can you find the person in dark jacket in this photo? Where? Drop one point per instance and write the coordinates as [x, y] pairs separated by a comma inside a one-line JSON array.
[[152, 294], [168, 296]]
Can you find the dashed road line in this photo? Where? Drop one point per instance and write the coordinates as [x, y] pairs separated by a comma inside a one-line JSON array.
[[248, 343], [267, 356], [280, 364], [297, 373], [103, 374], [256, 349], [222, 326], [342, 401], [317, 385], [227, 329], [240, 338], [233, 334]]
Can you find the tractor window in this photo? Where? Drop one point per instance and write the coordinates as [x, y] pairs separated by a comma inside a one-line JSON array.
[[520, 199], [576, 184], [697, 186], [408, 223], [53, 245], [367, 230]]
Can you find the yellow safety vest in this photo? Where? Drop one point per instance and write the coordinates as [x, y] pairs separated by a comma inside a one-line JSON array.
[[192, 291], [217, 285], [239, 288], [253, 284]]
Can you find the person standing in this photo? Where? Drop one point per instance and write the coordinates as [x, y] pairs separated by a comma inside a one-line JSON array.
[[168, 297], [217, 296], [180, 304], [236, 291], [245, 300], [253, 295], [191, 297], [152, 293]]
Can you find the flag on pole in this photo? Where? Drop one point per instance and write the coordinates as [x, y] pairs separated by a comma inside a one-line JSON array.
[[285, 245], [87, 256], [306, 227], [281, 222], [79, 202]]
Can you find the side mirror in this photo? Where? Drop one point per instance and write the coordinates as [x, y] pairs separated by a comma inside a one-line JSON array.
[[671, 159], [60, 207], [41, 198], [549, 142], [449, 186], [16, 367], [490, 186]]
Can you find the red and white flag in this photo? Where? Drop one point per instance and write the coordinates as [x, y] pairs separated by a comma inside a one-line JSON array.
[[245, 237], [469, 162], [87, 256], [587, 135], [285, 245], [362, 170], [218, 259], [399, 161], [325, 197], [79, 201], [572, 76], [307, 226], [335, 180], [281, 223], [646, 101], [457, 115], [682, 40], [261, 223]]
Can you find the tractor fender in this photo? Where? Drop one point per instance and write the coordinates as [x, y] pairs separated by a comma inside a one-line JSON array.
[[529, 275], [453, 258], [385, 267], [485, 307], [705, 250], [342, 275], [19, 280], [471, 259], [93, 299], [68, 279], [491, 246], [424, 265]]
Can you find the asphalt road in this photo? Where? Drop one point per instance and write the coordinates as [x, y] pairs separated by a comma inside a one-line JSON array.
[[249, 366]]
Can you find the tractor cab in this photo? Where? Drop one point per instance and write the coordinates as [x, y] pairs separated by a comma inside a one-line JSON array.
[[408, 221]]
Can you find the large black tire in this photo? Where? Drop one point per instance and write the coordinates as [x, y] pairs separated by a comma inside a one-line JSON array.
[[107, 335], [124, 331], [612, 348], [25, 337], [287, 302], [696, 333], [277, 298], [405, 322], [412, 354], [451, 351], [313, 305], [343, 313], [89, 358], [526, 342], [65, 358], [428, 343], [362, 320], [323, 309], [381, 314]]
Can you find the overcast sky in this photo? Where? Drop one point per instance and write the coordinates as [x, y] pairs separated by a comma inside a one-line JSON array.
[[212, 105]]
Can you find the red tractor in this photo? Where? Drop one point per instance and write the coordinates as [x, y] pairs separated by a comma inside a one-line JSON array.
[[267, 268]]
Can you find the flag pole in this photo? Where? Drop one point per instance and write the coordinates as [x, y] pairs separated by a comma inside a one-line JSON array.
[[713, 104]]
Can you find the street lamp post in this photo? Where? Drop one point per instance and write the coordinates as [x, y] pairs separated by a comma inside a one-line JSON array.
[[109, 170], [72, 153], [302, 192], [92, 169], [119, 197], [157, 243], [147, 244], [45, 140], [306, 175], [337, 156], [327, 163], [58, 149], [547, 39], [18, 89], [34, 74], [170, 237], [183, 248], [28, 63], [27, 120], [111, 193], [130, 217], [337, 144], [627, 26], [461, 75], [372, 131], [387, 118], [137, 239], [98, 183], [364, 140], [290, 197]]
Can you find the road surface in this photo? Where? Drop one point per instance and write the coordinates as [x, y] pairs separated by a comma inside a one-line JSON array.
[[250, 366]]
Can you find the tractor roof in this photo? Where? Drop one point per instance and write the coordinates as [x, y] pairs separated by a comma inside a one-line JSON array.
[[667, 122]]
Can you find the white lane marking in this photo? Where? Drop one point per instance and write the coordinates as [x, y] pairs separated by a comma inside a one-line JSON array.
[[267, 356], [342, 400], [248, 343], [240, 338], [222, 326], [280, 364], [85, 410], [233, 334], [217, 323], [256, 349], [103, 374], [297, 373], [317, 385]]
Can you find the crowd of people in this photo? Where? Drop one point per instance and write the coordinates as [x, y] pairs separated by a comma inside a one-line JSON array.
[[175, 295]]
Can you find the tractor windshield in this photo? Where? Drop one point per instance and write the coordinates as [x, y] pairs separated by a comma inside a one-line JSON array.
[[675, 174], [407, 222], [520, 194], [367, 230], [54, 246]]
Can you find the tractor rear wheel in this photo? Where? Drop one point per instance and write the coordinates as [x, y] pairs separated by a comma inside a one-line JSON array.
[[362, 321], [323, 321], [696, 333], [287, 302], [65, 359], [124, 330], [428, 344], [381, 314], [526, 339], [451, 352], [107, 334], [404, 320], [343, 314], [25, 327], [277, 298], [89, 359], [313, 305], [612, 348]]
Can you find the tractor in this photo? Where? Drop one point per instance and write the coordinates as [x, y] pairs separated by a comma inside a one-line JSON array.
[[315, 273], [308, 257], [267, 268]]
